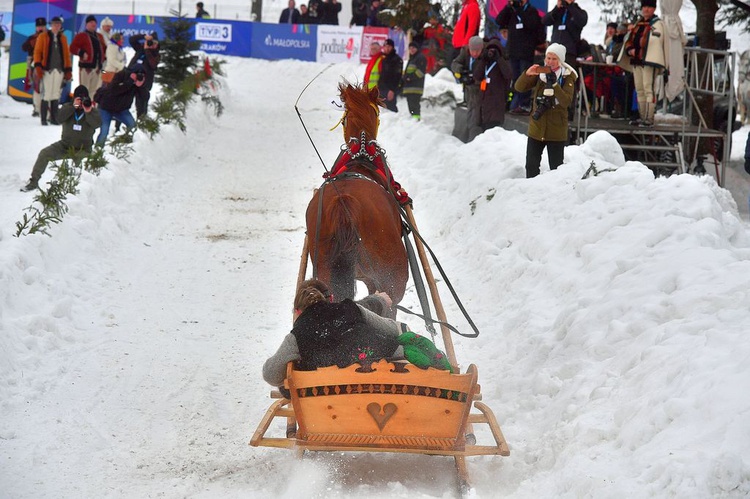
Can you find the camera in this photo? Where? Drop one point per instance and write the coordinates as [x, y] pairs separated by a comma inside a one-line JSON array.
[[86, 101], [546, 100], [464, 77], [140, 76], [515, 4]]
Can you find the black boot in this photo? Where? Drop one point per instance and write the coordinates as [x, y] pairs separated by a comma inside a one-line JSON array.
[[45, 108], [53, 112]]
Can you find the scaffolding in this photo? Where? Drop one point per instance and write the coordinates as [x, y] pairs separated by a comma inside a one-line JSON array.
[[673, 147]]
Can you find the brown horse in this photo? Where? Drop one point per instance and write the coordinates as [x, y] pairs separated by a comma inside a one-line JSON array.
[[353, 221]]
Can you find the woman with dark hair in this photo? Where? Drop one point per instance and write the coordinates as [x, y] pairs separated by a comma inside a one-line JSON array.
[[328, 333]]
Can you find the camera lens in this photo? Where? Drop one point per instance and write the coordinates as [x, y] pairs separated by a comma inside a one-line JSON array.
[[86, 102]]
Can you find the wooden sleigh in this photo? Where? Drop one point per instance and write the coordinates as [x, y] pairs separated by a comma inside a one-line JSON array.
[[385, 407]]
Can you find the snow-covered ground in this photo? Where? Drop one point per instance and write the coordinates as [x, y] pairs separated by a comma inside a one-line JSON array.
[[613, 310]]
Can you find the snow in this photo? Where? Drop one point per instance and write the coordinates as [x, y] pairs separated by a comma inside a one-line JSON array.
[[613, 310]]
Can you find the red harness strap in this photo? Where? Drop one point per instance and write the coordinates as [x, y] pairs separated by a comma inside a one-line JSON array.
[[372, 153]]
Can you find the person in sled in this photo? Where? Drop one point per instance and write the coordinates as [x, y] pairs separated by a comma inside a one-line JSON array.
[[328, 333]]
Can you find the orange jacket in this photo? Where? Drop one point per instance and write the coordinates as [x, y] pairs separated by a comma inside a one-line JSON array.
[[43, 46]]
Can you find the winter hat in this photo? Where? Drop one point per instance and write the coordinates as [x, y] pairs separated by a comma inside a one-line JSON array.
[[559, 50], [40, 21], [609, 25], [390, 42], [57, 19], [90, 18], [414, 44], [648, 3], [476, 43], [107, 22], [81, 92]]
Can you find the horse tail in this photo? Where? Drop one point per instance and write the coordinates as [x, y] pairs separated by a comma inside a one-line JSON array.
[[344, 245]]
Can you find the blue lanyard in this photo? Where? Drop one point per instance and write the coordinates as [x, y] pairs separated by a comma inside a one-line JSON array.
[[487, 70], [565, 17], [471, 63], [524, 9], [78, 118]]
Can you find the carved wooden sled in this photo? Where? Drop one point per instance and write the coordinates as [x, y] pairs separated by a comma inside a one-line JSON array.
[[385, 407]]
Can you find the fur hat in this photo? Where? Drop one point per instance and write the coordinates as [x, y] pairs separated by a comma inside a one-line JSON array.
[[476, 43], [81, 92], [107, 22], [648, 3], [40, 21], [559, 50], [90, 18]]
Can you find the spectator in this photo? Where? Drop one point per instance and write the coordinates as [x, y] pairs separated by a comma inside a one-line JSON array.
[[525, 34], [463, 69], [114, 101], [304, 15], [200, 13], [372, 16], [359, 13], [413, 80], [147, 58], [79, 119], [106, 29], [493, 74], [390, 75], [567, 20], [328, 11], [91, 49], [116, 58], [53, 67], [290, 15], [374, 66], [435, 36], [33, 83], [466, 26], [609, 36], [313, 11], [645, 56], [552, 94]]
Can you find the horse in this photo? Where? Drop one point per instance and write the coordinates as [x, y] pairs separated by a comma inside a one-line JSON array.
[[353, 220]]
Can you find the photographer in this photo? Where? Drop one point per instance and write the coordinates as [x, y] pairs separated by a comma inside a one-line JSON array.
[[493, 74], [145, 60], [552, 88], [525, 34], [114, 100], [79, 120], [463, 70], [567, 20]]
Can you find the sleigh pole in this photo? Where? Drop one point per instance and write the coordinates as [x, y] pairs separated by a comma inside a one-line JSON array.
[[430, 278]]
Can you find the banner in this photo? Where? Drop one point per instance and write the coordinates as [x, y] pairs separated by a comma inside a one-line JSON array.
[[25, 13], [283, 41], [339, 44], [370, 35]]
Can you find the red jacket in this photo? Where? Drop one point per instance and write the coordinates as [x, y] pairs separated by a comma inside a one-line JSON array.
[[467, 24], [82, 44]]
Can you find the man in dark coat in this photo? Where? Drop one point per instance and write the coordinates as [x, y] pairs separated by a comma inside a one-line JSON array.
[[146, 59], [390, 75], [359, 13], [79, 120], [290, 15], [115, 99], [567, 20], [525, 34], [463, 69], [493, 74], [328, 11]]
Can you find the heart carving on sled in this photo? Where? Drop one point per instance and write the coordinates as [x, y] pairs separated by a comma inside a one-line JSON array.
[[381, 418]]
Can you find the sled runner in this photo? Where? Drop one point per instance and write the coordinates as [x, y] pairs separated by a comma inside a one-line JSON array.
[[387, 406]]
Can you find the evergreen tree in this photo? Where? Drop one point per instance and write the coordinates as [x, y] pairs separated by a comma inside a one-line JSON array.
[[177, 61]]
